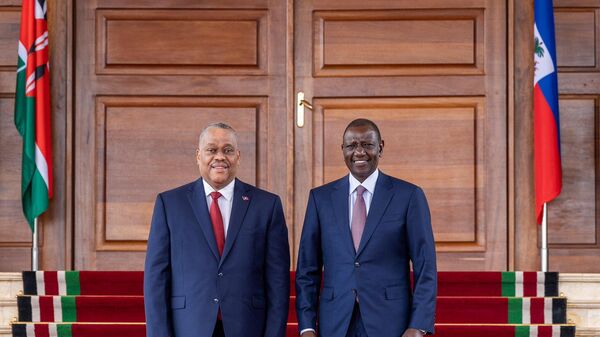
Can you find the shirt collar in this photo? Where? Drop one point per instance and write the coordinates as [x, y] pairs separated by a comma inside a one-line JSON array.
[[226, 192], [368, 184]]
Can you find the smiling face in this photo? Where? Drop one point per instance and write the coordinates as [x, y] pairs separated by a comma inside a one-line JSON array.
[[362, 149], [218, 157]]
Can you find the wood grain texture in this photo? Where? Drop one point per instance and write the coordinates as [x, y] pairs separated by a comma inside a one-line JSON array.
[[15, 259], [360, 43], [140, 142], [572, 216], [14, 248], [526, 253], [267, 69], [10, 17], [13, 226], [138, 115], [574, 235], [434, 145], [576, 38], [182, 41], [8, 78]]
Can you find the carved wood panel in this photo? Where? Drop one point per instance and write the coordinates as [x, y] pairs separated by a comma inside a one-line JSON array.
[[436, 143], [433, 78], [150, 80], [15, 241], [435, 42], [146, 145], [573, 229]]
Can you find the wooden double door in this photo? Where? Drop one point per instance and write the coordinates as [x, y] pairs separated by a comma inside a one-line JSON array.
[[150, 74]]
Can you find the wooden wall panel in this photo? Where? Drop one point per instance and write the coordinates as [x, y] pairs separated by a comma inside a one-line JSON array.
[[150, 80], [10, 17], [439, 95], [8, 78], [359, 43], [436, 143], [139, 142], [573, 214], [15, 238], [576, 38], [15, 258], [12, 221], [182, 41], [574, 234], [13, 226], [15, 235], [578, 58]]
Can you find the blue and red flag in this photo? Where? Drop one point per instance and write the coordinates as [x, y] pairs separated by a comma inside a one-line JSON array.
[[548, 172]]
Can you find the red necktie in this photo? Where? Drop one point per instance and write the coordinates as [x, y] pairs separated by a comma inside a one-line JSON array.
[[217, 221]]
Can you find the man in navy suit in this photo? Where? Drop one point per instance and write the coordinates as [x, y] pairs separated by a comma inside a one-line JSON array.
[[360, 234], [218, 255]]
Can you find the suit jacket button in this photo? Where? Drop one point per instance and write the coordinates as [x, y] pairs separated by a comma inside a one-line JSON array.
[[216, 300], [220, 274], [357, 264]]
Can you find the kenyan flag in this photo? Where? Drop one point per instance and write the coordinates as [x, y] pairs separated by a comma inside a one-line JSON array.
[[32, 109]]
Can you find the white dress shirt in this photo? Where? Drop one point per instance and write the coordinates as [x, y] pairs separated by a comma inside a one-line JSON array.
[[369, 185], [225, 201]]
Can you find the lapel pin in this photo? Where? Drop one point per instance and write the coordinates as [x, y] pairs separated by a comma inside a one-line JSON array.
[[245, 198]]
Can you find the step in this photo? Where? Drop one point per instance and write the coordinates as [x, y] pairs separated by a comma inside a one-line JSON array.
[[476, 310], [583, 309], [504, 330], [83, 283], [10, 285], [510, 284], [467, 283], [502, 310], [139, 330]]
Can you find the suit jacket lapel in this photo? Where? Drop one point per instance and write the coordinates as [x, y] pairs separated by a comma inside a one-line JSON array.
[[242, 196], [197, 200], [339, 200], [379, 203]]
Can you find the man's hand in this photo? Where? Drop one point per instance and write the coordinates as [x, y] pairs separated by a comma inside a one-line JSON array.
[[410, 332], [309, 334]]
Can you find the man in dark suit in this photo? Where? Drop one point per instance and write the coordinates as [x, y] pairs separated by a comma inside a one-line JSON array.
[[361, 232], [218, 255]]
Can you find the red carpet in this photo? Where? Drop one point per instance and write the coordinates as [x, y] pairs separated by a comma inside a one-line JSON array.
[[473, 310], [490, 283], [470, 304], [139, 330]]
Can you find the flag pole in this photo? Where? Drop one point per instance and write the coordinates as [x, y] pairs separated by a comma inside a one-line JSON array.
[[544, 251], [34, 247]]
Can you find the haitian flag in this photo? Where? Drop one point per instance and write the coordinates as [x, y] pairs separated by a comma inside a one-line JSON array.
[[548, 172], [32, 109]]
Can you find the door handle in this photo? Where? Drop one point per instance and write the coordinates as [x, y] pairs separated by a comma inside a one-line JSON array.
[[300, 104]]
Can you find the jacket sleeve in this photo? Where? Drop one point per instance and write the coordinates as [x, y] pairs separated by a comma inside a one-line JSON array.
[[421, 247], [157, 275], [309, 268], [277, 273]]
